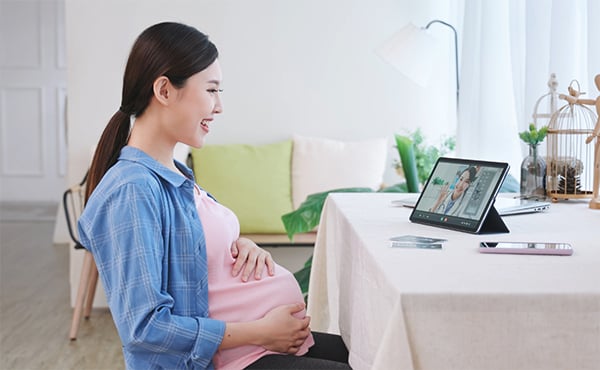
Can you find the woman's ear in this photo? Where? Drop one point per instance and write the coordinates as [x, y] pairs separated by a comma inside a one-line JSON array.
[[162, 90]]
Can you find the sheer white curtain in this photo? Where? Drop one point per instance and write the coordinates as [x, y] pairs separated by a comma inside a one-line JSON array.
[[510, 47]]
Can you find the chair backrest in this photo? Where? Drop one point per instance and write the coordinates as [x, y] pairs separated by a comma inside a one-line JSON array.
[[73, 203]]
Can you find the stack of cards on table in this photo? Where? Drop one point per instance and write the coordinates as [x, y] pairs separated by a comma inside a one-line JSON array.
[[413, 241]]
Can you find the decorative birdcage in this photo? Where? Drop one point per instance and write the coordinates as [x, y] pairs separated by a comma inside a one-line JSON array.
[[570, 160], [547, 104]]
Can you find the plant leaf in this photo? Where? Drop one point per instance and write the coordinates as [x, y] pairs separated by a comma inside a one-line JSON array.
[[308, 214], [303, 276], [533, 136], [542, 133], [407, 156]]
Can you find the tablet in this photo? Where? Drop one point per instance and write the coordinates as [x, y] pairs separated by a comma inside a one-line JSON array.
[[460, 194]]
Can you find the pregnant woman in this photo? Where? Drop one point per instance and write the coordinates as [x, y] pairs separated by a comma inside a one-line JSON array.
[[170, 258]]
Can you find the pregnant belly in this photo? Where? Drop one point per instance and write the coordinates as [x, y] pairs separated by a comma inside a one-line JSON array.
[[230, 299]]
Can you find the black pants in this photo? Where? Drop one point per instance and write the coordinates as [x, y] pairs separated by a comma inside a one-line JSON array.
[[328, 353]]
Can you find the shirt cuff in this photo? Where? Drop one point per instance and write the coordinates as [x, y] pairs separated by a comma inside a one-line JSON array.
[[210, 336]]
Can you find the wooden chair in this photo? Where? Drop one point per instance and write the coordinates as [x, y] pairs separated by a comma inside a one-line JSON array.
[[73, 203]]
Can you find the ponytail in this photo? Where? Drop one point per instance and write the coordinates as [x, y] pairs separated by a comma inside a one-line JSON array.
[[113, 139]]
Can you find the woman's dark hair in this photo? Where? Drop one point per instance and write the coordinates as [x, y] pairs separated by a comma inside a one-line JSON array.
[[472, 173], [174, 50]]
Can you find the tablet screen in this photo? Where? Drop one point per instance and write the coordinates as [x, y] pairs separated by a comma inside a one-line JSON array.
[[459, 193]]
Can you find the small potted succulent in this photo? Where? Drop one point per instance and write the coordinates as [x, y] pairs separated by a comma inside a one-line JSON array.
[[533, 167]]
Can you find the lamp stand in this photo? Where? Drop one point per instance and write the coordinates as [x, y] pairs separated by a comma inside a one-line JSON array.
[[455, 52]]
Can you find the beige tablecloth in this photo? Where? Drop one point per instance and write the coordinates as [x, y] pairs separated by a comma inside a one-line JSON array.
[[455, 308]]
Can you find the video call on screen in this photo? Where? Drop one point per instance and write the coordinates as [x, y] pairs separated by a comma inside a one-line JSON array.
[[472, 203]]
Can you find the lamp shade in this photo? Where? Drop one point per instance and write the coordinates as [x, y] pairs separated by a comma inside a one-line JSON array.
[[412, 51]]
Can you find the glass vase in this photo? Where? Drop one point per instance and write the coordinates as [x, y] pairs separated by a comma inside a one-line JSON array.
[[533, 175]]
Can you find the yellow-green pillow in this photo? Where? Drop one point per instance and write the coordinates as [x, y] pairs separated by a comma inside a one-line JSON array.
[[254, 181]]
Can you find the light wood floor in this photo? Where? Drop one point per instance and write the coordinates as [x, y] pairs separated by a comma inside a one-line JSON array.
[[35, 314], [34, 304]]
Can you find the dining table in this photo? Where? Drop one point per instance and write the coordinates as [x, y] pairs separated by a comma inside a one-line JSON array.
[[417, 307]]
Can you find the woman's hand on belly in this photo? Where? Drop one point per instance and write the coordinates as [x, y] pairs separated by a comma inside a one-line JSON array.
[[250, 257], [284, 332]]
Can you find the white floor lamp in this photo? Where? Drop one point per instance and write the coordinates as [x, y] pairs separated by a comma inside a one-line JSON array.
[[412, 51]]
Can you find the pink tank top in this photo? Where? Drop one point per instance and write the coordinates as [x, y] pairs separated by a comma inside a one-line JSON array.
[[229, 298]]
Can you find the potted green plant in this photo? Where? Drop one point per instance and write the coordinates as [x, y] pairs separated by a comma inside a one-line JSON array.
[[533, 167]]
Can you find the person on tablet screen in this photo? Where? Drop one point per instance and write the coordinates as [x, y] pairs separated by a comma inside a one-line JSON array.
[[450, 199]]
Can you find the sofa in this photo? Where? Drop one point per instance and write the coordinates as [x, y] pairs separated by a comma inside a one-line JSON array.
[[261, 183]]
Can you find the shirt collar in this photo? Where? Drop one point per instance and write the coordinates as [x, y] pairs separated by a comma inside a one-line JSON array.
[[129, 153]]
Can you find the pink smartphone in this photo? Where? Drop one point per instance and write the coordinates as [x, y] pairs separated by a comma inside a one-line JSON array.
[[560, 249]]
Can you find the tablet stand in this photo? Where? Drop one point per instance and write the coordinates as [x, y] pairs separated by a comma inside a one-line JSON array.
[[493, 223]]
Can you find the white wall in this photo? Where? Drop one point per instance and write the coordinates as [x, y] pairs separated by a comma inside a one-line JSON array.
[[295, 66]]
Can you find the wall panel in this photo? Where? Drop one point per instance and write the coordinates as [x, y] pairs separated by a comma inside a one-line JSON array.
[[22, 132], [20, 34]]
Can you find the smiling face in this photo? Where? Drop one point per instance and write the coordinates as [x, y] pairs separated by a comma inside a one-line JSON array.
[[195, 106], [463, 184]]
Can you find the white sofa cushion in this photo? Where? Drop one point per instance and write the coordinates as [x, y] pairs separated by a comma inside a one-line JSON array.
[[320, 164]]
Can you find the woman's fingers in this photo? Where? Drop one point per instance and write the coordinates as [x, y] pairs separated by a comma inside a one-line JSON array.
[[250, 258]]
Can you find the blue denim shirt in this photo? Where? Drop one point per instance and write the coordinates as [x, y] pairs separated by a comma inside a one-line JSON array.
[[143, 230]]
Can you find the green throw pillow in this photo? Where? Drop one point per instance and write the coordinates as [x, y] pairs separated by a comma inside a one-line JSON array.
[[253, 181]]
